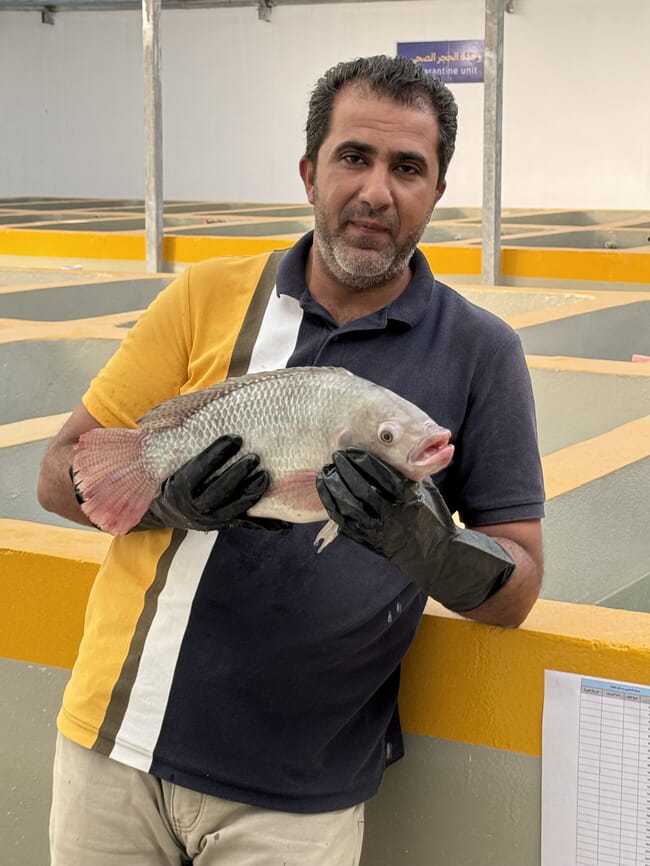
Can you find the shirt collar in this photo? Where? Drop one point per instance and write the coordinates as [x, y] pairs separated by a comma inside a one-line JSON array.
[[407, 309]]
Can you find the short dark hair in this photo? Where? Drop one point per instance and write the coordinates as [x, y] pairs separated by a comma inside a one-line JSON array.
[[396, 78]]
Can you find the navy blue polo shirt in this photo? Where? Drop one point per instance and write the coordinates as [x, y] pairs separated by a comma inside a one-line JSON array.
[[294, 657], [459, 363]]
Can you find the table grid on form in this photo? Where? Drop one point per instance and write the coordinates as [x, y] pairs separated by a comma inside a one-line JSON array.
[[613, 786]]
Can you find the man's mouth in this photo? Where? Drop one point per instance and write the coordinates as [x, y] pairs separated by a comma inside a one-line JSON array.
[[368, 226]]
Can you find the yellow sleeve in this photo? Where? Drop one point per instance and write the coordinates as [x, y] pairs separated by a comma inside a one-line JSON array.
[[182, 342], [150, 366]]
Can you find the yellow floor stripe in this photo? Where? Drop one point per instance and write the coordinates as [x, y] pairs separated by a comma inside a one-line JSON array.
[[68, 278], [31, 429], [594, 458], [99, 327], [588, 365], [603, 301], [55, 283]]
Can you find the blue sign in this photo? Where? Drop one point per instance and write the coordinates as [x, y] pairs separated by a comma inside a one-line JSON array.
[[451, 62]]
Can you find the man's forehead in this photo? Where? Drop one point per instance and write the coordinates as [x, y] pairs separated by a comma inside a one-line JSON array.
[[363, 91], [414, 121]]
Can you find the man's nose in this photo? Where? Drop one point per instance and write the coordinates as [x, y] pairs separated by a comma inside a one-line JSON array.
[[376, 191]]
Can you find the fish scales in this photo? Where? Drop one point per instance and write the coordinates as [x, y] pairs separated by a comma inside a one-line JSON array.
[[291, 419]]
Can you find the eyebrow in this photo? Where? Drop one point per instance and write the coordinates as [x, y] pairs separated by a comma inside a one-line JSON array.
[[363, 147]]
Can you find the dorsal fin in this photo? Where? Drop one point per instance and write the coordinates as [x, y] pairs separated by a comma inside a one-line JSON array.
[[175, 410]]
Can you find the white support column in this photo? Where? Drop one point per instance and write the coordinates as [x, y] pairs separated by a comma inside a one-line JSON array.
[[492, 122], [153, 164]]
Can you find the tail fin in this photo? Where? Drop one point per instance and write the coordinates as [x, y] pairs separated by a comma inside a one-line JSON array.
[[113, 478]]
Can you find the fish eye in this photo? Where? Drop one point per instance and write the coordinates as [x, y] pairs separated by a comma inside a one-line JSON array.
[[387, 433]]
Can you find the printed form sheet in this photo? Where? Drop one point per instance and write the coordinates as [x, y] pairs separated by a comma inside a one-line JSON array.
[[595, 772]]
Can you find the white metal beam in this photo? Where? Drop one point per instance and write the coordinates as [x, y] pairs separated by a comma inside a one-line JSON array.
[[153, 162], [104, 5], [492, 138]]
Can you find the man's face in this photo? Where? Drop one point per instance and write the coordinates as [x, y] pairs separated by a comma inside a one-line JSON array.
[[374, 187]]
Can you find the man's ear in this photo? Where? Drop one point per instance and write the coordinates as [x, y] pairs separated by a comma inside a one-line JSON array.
[[306, 167], [440, 189]]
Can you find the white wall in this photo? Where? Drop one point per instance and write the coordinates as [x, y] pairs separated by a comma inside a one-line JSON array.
[[235, 91]]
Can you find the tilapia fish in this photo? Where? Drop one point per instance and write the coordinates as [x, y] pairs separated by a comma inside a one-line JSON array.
[[294, 418]]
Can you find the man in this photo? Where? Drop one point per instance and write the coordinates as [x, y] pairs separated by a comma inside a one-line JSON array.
[[234, 698]]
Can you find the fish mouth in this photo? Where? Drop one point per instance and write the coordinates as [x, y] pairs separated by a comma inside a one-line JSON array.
[[432, 453]]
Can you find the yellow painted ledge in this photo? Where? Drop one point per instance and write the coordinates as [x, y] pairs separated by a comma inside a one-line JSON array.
[[576, 264], [129, 247], [45, 576], [23, 536], [64, 244], [571, 264], [196, 249], [485, 685], [452, 260], [461, 681]]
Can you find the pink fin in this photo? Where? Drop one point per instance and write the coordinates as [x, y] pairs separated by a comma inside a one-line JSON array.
[[294, 497], [113, 478]]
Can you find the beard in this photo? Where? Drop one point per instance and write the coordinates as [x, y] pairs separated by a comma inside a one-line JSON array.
[[357, 263]]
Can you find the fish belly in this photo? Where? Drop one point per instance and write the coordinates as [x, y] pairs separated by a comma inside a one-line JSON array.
[[294, 498]]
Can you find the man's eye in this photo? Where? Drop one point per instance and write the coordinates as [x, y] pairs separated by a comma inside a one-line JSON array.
[[352, 158], [407, 169]]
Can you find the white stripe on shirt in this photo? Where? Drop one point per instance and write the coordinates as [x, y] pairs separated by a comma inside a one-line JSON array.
[[138, 734], [140, 728], [278, 334]]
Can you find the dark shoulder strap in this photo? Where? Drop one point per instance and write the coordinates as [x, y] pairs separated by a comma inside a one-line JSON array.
[[250, 328]]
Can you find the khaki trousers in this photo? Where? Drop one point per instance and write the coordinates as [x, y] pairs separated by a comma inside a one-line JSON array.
[[107, 814]]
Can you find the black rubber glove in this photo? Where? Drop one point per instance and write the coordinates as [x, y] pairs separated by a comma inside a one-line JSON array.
[[410, 524], [201, 496]]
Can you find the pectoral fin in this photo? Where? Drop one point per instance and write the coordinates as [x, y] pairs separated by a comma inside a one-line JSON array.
[[327, 534]]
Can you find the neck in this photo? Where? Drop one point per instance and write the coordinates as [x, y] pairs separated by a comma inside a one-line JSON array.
[[343, 303]]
